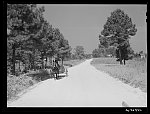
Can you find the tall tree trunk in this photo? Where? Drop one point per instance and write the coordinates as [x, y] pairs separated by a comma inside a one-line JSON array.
[[46, 62], [120, 57], [124, 62], [25, 67], [30, 61], [19, 66], [42, 62], [33, 59], [62, 61], [53, 61], [13, 59]]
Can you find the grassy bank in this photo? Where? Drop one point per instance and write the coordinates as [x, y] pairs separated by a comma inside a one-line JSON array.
[[18, 84], [133, 73], [15, 85]]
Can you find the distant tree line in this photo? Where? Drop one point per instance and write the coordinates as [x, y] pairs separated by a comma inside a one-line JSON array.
[[113, 52], [79, 53]]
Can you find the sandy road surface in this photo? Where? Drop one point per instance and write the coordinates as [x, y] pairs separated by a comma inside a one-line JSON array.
[[85, 86]]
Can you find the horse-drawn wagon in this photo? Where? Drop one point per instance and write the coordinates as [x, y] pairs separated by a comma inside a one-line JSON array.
[[56, 70]]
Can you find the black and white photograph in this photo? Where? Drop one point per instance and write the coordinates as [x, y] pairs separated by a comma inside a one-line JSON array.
[[77, 55]]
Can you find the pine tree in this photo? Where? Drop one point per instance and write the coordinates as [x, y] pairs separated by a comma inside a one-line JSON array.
[[23, 20], [117, 31]]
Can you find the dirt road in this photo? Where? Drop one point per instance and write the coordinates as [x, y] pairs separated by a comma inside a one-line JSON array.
[[85, 86]]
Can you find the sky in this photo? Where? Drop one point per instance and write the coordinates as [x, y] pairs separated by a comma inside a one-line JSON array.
[[81, 24]]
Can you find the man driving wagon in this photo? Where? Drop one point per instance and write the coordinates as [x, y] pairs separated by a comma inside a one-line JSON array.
[[57, 69]]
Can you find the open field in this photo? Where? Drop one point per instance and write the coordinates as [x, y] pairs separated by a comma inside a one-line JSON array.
[[18, 84], [133, 73], [72, 63]]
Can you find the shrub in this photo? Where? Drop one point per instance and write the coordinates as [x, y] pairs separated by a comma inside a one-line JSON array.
[[40, 75], [17, 84]]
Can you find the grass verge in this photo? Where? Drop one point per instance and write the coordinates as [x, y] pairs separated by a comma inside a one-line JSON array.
[[17, 84], [133, 73]]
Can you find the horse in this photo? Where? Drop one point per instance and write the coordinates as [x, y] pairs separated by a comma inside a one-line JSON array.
[[56, 71], [56, 68]]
